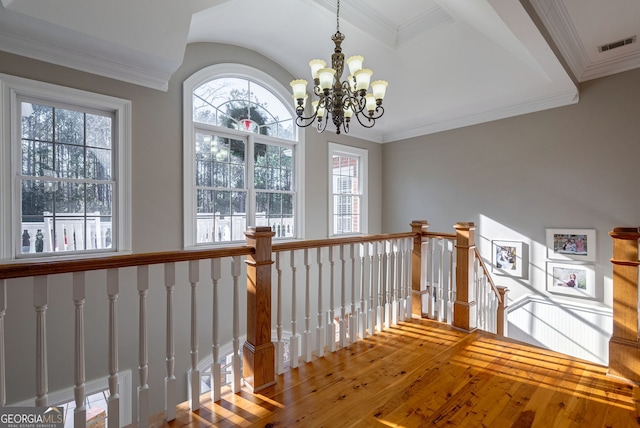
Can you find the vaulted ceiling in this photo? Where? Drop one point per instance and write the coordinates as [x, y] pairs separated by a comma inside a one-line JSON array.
[[449, 63]]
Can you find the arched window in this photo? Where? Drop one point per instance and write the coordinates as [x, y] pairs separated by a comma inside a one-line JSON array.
[[242, 156]]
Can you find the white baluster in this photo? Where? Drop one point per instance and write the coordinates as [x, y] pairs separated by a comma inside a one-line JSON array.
[[143, 358], [320, 335], [424, 272], [363, 291], [454, 279], [371, 315], [113, 402], [280, 343], [396, 292], [170, 358], [440, 295], [294, 342], [343, 297], [236, 359], [306, 342], [381, 273], [194, 373], [432, 278], [216, 367], [331, 327], [387, 273], [353, 315], [80, 412], [40, 298], [3, 310], [406, 276]]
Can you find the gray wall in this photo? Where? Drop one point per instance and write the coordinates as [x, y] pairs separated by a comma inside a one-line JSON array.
[[569, 167]]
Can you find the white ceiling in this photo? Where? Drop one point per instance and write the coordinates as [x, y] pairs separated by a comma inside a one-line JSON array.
[[449, 63]]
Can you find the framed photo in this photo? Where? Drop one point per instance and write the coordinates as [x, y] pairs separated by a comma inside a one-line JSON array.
[[571, 244], [507, 258], [569, 279]]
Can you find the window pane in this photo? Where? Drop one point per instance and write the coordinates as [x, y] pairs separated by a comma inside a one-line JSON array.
[[99, 129], [69, 126], [37, 198], [238, 103], [37, 122], [99, 164], [99, 198], [346, 196], [69, 161], [273, 167], [37, 158], [69, 198]]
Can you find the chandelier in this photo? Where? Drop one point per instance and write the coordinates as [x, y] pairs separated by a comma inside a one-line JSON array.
[[338, 99]]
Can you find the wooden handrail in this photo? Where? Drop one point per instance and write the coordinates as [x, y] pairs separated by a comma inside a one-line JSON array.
[[486, 274], [34, 267], [316, 243], [440, 235]]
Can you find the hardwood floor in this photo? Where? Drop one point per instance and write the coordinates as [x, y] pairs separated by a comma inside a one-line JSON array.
[[422, 373]]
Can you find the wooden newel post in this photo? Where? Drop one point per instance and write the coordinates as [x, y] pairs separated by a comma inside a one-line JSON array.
[[624, 345], [258, 355], [418, 227], [503, 305], [464, 308]]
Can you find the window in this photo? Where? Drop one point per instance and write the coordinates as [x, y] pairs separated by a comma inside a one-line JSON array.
[[68, 153], [242, 156], [347, 198]]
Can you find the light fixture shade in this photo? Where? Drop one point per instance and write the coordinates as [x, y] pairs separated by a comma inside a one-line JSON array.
[[371, 102], [379, 88], [363, 77], [320, 110], [316, 65], [348, 110], [299, 88], [304, 101], [326, 76], [354, 63]]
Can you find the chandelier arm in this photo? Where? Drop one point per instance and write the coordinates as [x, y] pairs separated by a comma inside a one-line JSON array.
[[377, 115], [370, 122], [322, 124], [300, 121]]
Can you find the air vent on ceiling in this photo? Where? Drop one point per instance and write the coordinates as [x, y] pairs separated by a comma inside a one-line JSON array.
[[617, 44]]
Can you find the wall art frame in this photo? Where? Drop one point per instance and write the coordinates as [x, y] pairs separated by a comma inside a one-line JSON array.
[[571, 244], [507, 258], [571, 279]]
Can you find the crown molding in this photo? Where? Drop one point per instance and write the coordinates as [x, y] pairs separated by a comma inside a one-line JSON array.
[[559, 99], [558, 22]]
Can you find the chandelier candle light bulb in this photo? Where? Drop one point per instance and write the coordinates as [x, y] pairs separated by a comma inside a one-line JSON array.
[[337, 99]]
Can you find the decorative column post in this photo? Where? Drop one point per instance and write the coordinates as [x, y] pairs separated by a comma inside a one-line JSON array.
[[503, 305], [624, 345], [258, 356], [464, 308], [418, 227]]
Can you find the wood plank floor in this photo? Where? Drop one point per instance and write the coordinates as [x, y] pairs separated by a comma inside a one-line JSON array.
[[422, 373]]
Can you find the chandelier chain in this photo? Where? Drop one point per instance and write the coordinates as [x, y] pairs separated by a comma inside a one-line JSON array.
[[338, 17]]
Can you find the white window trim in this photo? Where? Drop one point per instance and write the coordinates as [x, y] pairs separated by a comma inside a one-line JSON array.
[[10, 88], [189, 155], [335, 148]]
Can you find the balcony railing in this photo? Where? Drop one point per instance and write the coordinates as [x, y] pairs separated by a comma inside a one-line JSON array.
[[314, 296]]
